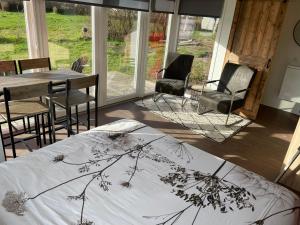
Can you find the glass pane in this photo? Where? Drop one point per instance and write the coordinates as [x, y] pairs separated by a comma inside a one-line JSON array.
[[156, 50], [121, 52], [13, 42], [196, 37], [69, 35]]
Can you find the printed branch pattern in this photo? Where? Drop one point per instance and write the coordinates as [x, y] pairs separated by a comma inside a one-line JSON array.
[[288, 211], [15, 202], [203, 190]]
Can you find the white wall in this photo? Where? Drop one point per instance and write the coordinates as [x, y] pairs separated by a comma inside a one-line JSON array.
[[288, 53]]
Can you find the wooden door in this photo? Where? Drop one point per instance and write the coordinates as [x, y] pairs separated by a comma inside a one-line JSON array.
[[253, 41]]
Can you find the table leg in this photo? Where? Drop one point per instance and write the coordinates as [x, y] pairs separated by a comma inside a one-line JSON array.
[[2, 154]]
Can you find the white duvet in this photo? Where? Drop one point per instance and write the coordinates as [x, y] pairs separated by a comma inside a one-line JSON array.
[[127, 173]]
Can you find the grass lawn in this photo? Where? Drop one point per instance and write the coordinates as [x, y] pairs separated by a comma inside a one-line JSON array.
[[66, 40], [13, 42], [202, 50]]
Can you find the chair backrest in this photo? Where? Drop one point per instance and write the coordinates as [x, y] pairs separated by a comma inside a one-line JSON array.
[[25, 92], [83, 82], [235, 77], [78, 65], [38, 63], [8, 68], [180, 67]]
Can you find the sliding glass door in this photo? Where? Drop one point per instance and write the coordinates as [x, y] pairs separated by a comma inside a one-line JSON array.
[[121, 53]]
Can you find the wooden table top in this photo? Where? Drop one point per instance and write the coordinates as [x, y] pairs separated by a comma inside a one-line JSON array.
[[37, 77]]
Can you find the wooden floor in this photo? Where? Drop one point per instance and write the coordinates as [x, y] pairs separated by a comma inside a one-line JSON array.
[[260, 147]]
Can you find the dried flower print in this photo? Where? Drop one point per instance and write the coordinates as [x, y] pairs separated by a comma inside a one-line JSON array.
[[15, 202]]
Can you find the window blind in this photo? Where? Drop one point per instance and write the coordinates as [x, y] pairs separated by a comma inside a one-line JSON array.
[[164, 6], [205, 8], [141, 5]]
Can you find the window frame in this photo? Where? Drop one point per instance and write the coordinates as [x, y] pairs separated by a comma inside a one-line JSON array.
[[35, 17]]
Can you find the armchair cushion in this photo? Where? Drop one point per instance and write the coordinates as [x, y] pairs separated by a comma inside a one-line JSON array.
[[220, 101], [170, 86]]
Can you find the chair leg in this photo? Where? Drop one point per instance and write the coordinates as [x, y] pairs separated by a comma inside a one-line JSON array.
[[229, 112], [69, 120], [28, 124], [227, 118], [96, 114], [52, 121], [157, 96], [2, 140], [183, 101], [88, 115], [54, 112], [36, 131], [39, 131], [43, 128], [12, 141], [24, 125], [77, 119], [49, 127]]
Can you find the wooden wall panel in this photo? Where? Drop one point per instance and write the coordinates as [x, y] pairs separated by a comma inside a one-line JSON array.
[[253, 41]]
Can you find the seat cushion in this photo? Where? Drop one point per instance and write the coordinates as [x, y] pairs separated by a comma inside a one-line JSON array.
[[219, 101], [22, 108], [76, 97], [170, 86]]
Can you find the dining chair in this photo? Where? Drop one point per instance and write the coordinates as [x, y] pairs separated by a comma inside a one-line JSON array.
[[75, 96], [29, 64], [20, 102], [38, 63], [7, 68], [79, 64]]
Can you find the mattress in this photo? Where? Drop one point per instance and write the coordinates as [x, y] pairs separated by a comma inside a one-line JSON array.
[[127, 173]]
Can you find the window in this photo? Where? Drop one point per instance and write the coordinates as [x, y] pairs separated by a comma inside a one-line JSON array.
[[156, 50], [13, 42], [196, 37], [121, 52], [69, 35]]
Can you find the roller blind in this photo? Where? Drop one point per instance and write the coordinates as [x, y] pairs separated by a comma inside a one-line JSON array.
[[166, 6], [205, 8], [141, 5]]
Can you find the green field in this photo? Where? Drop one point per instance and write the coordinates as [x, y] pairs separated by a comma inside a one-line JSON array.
[[67, 42], [13, 42]]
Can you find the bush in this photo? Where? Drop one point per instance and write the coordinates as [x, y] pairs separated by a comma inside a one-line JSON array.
[[12, 5]]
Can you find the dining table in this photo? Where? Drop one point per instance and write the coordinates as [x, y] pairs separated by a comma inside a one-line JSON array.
[[56, 76]]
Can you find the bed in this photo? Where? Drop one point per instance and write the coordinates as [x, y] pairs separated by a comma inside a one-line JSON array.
[[127, 173]]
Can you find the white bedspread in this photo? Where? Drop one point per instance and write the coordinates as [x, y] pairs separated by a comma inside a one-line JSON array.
[[127, 173]]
